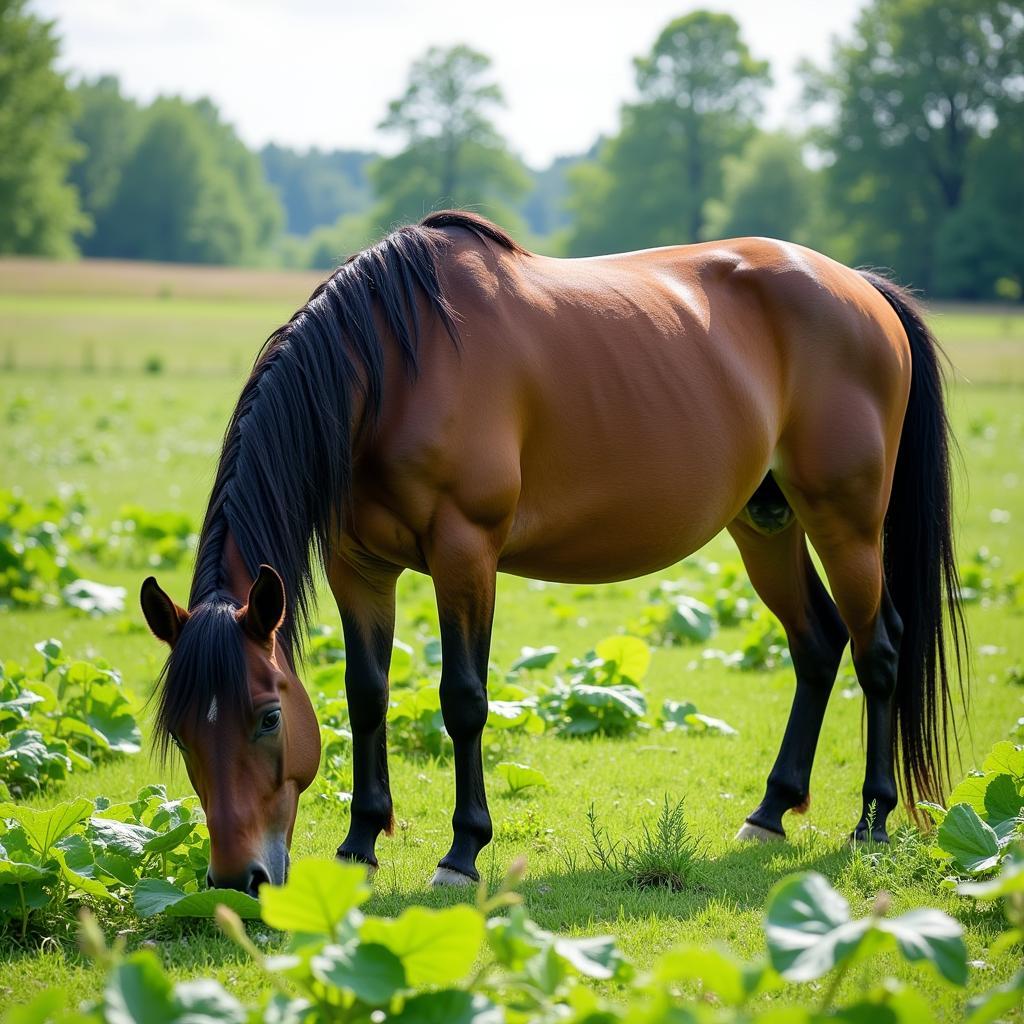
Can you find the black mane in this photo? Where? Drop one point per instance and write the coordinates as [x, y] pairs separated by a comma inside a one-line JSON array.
[[283, 483]]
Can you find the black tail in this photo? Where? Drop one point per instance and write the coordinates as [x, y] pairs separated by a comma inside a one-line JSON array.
[[920, 566]]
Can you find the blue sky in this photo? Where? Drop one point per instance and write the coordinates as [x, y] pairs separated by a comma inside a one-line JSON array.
[[321, 73]]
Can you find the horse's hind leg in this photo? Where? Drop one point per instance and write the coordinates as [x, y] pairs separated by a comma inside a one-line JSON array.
[[840, 493], [781, 570]]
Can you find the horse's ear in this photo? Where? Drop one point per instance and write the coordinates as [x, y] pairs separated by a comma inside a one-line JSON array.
[[163, 616], [264, 610]]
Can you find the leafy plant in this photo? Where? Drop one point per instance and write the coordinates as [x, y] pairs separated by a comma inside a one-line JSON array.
[[34, 552], [986, 813], [416, 725], [89, 850], [684, 717], [67, 715], [764, 649], [600, 694], [810, 933], [489, 962], [520, 777], [676, 619]]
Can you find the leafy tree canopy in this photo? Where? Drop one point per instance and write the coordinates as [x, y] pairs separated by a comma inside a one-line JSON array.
[[700, 91], [39, 210]]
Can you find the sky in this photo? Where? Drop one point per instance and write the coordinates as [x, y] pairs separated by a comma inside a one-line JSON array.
[[320, 73]]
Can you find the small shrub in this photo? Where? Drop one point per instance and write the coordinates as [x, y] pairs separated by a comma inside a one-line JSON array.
[[668, 856]]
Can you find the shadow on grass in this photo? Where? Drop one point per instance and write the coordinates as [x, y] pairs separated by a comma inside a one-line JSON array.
[[740, 879]]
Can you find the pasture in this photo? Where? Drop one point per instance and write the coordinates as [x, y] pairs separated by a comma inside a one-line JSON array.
[[117, 380]]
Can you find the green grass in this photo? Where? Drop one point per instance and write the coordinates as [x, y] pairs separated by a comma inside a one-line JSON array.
[[122, 435]]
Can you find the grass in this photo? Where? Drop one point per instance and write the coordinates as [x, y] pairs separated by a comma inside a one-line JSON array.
[[77, 408]]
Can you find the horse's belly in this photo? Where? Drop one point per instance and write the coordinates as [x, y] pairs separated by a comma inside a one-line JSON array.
[[618, 526]]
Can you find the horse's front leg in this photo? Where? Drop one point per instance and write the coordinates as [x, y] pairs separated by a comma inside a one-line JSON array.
[[366, 599], [463, 563]]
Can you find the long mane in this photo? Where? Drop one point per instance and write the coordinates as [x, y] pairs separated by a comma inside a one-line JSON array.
[[283, 483]]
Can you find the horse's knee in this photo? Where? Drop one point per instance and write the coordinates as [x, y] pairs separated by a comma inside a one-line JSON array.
[[463, 705], [367, 693]]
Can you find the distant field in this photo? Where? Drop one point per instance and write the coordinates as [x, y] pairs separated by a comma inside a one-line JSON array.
[[117, 316], [78, 408]]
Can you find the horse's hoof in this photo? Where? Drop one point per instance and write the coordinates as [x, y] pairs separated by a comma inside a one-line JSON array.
[[348, 858], [861, 838], [749, 833], [446, 876]]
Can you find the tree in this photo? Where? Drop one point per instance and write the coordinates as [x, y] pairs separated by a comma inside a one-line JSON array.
[[39, 211], [700, 91], [189, 192], [916, 92], [767, 190], [106, 126], [453, 155], [317, 187]]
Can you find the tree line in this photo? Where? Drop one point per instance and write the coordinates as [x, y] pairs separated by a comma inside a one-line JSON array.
[[914, 159]]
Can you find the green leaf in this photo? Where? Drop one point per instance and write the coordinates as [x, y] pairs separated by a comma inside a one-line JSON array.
[[934, 811], [204, 1001], [933, 937], [94, 598], [169, 840], [449, 1007], [44, 828], [716, 970], [138, 992], [596, 957], [626, 699], [1009, 880], [44, 1009], [808, 927], [968, 840], [691, 620], [206, 902], [971, 790], [632, 657], [436, 947], [316, 898], [520, 776], [14, 872], [535, 657], [1006, 758], [1002, 800], [674, 714], [83, 883], [705, 723], [154, 895], [997, 1003], [369, 971]]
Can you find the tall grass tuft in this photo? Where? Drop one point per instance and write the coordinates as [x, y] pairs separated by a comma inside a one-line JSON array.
[[667, 856]]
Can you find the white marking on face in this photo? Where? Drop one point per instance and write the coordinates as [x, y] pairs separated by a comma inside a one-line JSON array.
[[211, 714]]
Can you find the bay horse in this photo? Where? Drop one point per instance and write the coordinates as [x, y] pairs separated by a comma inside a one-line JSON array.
[[448, 402]]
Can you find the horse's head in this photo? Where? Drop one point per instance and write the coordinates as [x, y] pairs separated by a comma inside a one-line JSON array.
[[233, 706]]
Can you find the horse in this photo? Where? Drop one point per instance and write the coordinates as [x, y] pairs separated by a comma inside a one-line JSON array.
[[450, 403]]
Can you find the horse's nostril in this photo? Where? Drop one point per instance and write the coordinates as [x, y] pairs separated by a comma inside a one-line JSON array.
[[257, 876], [210, 883]]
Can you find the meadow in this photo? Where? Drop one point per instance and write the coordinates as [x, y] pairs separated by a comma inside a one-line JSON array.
[[116, 380]]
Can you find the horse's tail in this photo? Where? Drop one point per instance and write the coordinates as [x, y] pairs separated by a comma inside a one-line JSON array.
[[920, 565]]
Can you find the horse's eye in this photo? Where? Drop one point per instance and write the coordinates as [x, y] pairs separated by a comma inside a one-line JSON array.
[[177, 743], [271, 721]]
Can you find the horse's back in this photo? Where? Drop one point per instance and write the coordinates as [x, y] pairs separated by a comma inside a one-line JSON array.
[[609, 415]]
